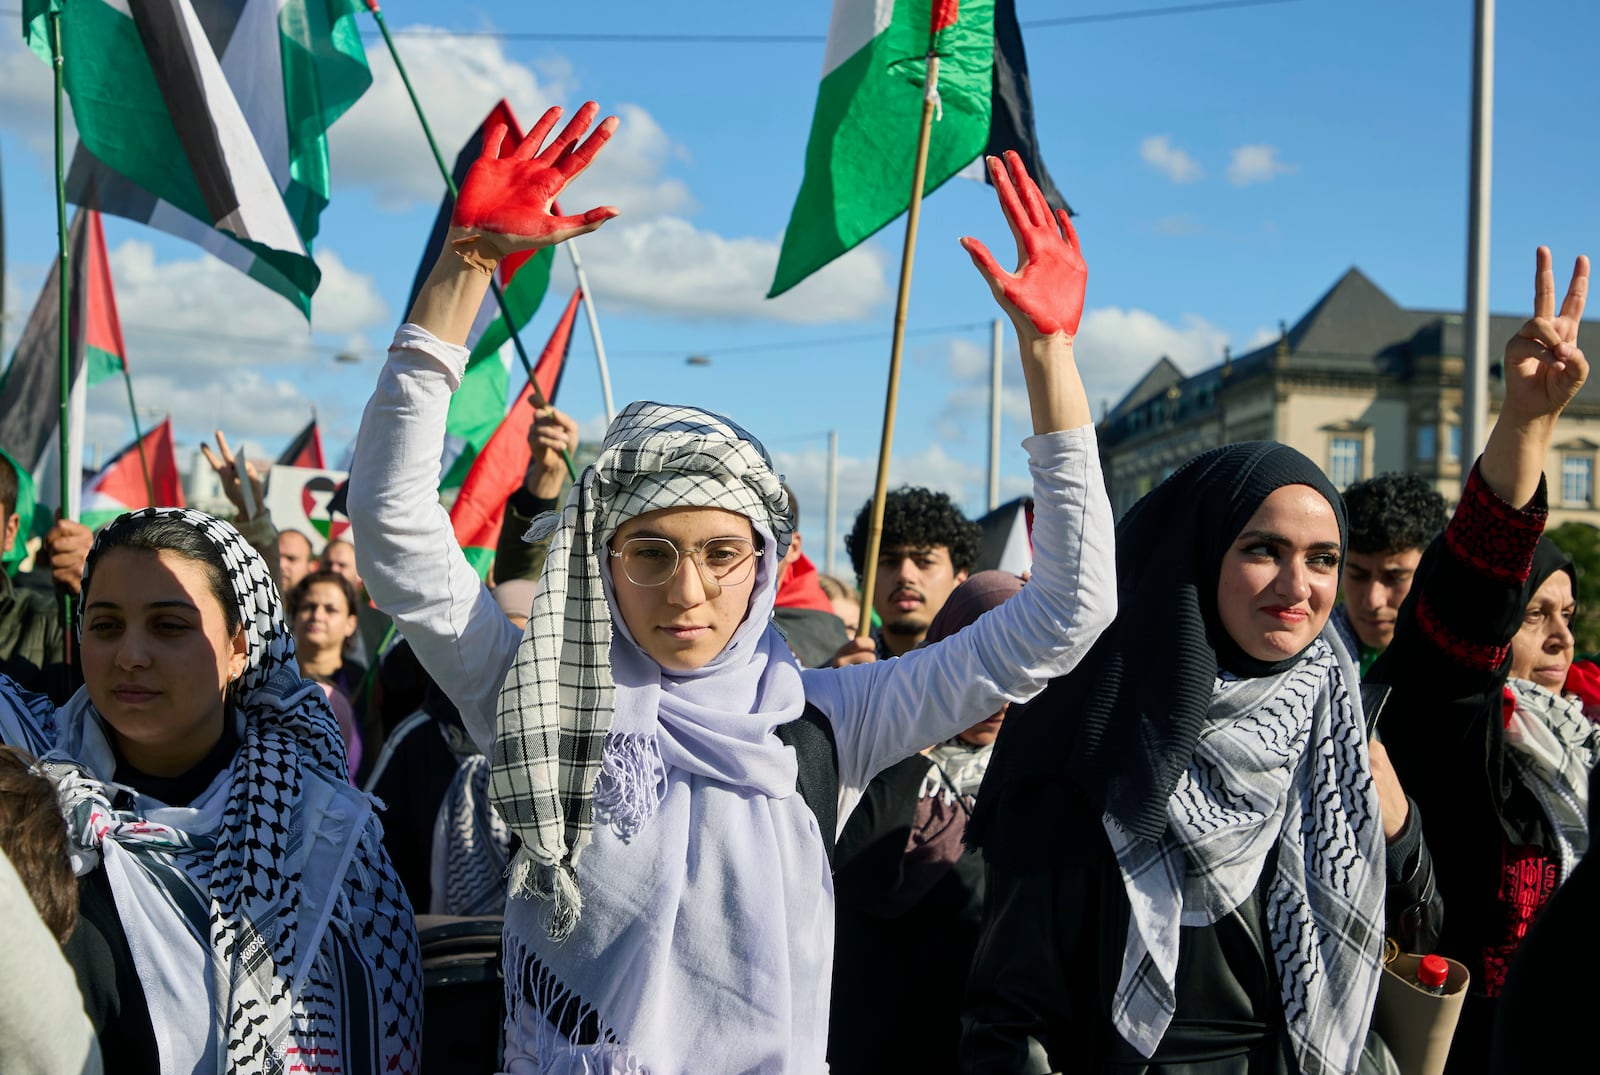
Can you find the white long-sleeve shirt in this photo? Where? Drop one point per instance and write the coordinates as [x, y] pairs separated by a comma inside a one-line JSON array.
[[880, 712]]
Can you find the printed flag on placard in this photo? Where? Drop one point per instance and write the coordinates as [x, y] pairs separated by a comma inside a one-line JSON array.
[[120, 487], [501, 466], [210, 124], [477, 407], [863, 144], [308, 500], [30, 390], [305, 450]]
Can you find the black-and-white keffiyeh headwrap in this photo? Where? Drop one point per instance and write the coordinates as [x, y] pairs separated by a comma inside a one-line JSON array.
[[1281, 762], [1551, 747], [557, 706], [351, 1003]]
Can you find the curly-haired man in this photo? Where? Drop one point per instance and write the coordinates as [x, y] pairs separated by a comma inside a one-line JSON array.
[[928, 548], [1393, 518]]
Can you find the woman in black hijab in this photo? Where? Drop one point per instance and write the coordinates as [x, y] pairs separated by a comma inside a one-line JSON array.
[[1205, 765]]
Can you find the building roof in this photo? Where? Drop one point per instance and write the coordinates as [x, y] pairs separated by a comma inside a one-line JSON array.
[[1354, 328]]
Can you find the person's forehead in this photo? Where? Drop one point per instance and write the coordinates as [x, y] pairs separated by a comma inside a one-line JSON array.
[[904, 549], [1385, 559], [1556, 589], [300, 543], [686, 523]]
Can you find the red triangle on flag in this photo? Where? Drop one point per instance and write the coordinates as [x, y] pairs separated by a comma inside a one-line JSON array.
[[122, 479], [103, 328]]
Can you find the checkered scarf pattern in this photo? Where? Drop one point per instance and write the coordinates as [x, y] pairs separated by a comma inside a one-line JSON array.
[[365, 982], [1281, 762], [557, 705], [1552, 747]]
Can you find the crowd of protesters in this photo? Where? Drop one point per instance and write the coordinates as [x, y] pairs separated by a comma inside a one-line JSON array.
[[1156, 807]]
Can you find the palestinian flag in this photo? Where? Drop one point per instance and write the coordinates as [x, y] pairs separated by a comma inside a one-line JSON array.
[[120, 487], [102, 329], [499, 469], [305, 450], [863, 145], [30, 390], [479, 404], [213, 129]]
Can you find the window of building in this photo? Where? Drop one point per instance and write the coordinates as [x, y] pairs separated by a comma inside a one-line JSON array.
[[1344, 461], [1455, 442], [1427, 442], [1577, 479]]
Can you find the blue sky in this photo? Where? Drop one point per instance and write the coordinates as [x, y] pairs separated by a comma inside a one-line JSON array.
[[1227, 166]]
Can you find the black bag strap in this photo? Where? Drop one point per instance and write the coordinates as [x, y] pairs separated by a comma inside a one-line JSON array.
[[811, 736], [1373, 698]]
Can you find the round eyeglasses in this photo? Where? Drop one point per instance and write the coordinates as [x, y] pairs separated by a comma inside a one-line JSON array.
[[653, 561]]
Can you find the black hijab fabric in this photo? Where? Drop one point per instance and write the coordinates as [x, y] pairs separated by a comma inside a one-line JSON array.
[[1117, 731], [1547, 560]]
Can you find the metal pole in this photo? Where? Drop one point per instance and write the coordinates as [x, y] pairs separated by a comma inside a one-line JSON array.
[[833, 500], [594, 327], [138, 437], [994, 415], [1475, 350]]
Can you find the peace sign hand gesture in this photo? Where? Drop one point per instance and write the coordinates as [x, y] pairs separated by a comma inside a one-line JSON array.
[[1544, 367], [508, 197], [1044, 297]]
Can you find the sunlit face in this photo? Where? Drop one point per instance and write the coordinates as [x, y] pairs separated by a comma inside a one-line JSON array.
[[685, 622], [1375, 586], [1280, 576], [1541, 650], [294, 558], [340, 558], [910, 588], [323, 622], [157, 656]]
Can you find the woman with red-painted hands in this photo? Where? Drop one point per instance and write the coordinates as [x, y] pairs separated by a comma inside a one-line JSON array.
[[675, 779], [1204, 767]]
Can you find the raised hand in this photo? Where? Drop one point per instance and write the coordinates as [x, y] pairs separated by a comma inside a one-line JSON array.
[[551, 433], [509, 194], [1045, 294], [1544, 367], [227, 468]]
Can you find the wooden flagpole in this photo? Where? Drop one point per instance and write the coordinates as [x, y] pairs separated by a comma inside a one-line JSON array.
[[880, 492]]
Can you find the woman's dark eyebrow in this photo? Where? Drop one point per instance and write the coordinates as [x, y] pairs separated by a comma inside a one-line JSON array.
[[1270, 538], [92, 605]]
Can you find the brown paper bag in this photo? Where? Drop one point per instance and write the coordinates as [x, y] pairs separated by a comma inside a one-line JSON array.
[[1417, 1025]]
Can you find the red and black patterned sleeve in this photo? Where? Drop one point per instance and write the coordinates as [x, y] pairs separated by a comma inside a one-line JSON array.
[[1486, 554]]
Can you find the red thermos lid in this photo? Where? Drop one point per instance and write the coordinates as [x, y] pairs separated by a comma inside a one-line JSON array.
[[1432, 971]]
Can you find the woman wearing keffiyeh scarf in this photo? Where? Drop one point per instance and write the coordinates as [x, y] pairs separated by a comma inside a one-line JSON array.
[[239, 883], [671, 900]]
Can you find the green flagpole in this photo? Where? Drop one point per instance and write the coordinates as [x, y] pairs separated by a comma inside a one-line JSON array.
[[450, 182], [63, 340], [138, 436]]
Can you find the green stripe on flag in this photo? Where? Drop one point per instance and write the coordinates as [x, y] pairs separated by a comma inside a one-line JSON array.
[[523, 295], [480, 559], [476, 409], [101, 365], [324, 72]]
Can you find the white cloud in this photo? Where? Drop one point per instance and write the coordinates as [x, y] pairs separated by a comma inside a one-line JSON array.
[[1257, 164], [1166, 158], [196, 312], [26, 96], [670, 267], [379, 144]]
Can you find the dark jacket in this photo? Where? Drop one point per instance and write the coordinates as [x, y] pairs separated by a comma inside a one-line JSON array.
[[1447, 669], [31, 650]]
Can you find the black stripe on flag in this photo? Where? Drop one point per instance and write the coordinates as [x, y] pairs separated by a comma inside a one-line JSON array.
[[1011, 105], [30, 392], [171, 51]]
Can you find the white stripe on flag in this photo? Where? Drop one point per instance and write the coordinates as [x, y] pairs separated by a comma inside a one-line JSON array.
[[853, 26]]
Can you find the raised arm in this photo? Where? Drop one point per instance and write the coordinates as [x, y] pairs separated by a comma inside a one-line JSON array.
[[886, 711], [1453, 638], [405, 545]]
